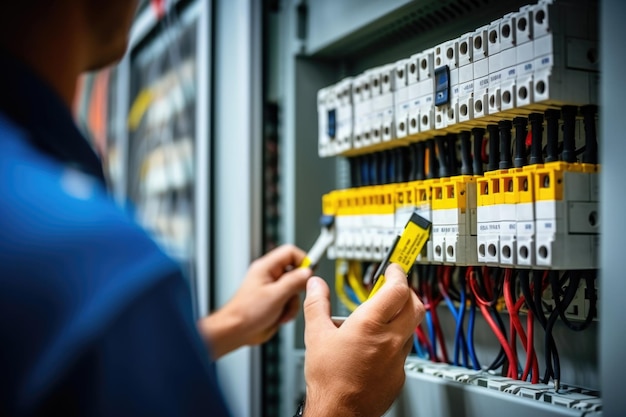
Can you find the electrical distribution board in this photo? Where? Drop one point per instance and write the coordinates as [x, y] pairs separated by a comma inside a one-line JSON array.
[[491, 136]]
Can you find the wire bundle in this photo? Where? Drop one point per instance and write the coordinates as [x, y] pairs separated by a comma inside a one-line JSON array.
[[513, 306], [462, 345], [486, 293]]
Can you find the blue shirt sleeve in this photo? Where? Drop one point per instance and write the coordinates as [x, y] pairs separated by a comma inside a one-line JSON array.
[[150, 362]]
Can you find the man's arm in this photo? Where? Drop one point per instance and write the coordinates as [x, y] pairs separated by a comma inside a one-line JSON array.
[[268, 297]]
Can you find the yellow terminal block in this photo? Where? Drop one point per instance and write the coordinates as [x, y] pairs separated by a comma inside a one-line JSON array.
[[454, 220], [566, 216], [525, 215], [508, 224], [329, 204], [423, 193], [489, 200]]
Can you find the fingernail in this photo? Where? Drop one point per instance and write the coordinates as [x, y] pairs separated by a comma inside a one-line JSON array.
[[312, 286]]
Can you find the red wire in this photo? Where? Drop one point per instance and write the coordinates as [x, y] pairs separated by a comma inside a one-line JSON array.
[[526, 338], [159, 8], [483, 151], [514, 322], [431, 305], [423, 339], [530, 347], [439, 333], [512, 373]]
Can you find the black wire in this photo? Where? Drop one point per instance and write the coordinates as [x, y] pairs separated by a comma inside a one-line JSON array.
[[570, 294], [466, 153], [534, 304], [536, 124], [453, 291], [506, 161], [420, 161], [553, 363], [412, 161], [504, 361], [403, 167], [452, 160], [552, 133], [569, 133], [520, 124], [591, 142], [355, 171], [442, 155], [479, 134], [494, 147], [384, 167]]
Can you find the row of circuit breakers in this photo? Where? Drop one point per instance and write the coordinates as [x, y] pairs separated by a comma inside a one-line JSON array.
[[529, 81]]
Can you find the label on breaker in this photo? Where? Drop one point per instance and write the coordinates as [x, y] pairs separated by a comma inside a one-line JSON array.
[[405, 249]]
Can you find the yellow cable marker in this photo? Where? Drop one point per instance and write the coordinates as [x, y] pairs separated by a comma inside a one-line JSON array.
[[404, 249]]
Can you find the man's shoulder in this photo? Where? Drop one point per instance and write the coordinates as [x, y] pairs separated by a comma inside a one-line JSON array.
[[72, 260]]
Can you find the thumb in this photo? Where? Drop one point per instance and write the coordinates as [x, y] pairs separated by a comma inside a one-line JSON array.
[[317, 307]]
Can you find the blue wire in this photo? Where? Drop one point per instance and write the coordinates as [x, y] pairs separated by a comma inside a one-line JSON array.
[[374, 179], [459, 338], [452, 309], [431, 333], [470, 335], [459, 327], [365, 171], [418, 347], [350, 293]]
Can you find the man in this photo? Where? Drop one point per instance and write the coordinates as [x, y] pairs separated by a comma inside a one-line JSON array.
[[95, 319]]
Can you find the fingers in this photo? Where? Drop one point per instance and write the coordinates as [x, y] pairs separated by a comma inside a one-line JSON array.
[[291, 310], [317, 309], [391, 297], [279, 259], [292, 282]]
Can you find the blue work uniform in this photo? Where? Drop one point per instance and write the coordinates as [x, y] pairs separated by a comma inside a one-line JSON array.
[[95, 319]]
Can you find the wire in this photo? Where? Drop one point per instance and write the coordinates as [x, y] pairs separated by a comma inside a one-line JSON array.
[[506, 160], [470, 327], [340, 287], [569, 133], [431, 301], [534, 304], [355, 281], [419, 350], [526, 338], [458, 315], [562, 304], [552, 134], [536, 124], [494, 147], [520, 124], [478, 134], [484, 305], [591, 143], [420, 161]]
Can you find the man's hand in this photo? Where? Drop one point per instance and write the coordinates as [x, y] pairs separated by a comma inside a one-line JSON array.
[[267, 298], [358, 368]]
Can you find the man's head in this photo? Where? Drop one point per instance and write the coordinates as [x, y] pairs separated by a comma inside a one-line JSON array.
[[101, 28], [61, 39], [109, 25]]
